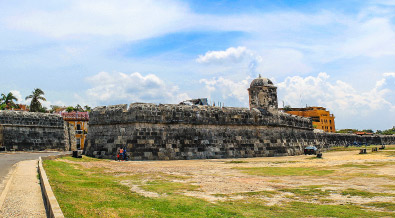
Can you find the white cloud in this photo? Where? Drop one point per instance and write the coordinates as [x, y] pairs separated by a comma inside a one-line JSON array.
[[227, 88], [373, 38], [282, 61], [132, 19], [110, 88], [341, 98], [269, 62], [18, 95], [231, 54], [321, 91]]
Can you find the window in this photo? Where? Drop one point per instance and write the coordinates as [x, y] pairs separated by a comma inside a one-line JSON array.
[[78, 143], [78, 126], [315, 119]]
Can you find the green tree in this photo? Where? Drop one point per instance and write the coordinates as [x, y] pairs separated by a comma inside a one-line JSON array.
[[35, 104], [347, 130], [70, 109], [87, 108], [389, 132], [368, 130], [54, 108], [287, 108], [8, 101]]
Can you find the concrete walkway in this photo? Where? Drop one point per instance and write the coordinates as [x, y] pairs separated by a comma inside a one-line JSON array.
[[23, 197]]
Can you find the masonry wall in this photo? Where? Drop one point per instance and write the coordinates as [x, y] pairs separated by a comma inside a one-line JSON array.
[[163, 132], [34, 131]]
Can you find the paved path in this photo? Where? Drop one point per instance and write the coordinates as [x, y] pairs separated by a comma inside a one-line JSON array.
[[20, 173], [23, 197], [7, 160]]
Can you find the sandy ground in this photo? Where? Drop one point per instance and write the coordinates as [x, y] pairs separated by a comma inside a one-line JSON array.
[[24, 197], [218, 179]]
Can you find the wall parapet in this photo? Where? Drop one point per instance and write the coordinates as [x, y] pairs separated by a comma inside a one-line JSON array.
[[24, 118], [21, 130], [191, 114]]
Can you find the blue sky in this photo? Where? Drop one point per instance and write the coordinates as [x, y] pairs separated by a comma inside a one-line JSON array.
[[335, 54]]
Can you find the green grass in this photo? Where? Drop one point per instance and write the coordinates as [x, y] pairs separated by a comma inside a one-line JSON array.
[[285, 171], [295, 209], [83, 159], [83, 194], [235, 162], [257, 193], [92, 192], [307, 191], [167, 187], [369, 175], [386, 205], [354, 165], [391, 187], [281, 162], [365, 194]]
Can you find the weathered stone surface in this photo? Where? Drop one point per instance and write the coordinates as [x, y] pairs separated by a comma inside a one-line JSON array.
[[163, 132], [196, 115], [34, 131]]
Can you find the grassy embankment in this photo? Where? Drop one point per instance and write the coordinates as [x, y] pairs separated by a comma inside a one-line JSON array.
[[94, 192]]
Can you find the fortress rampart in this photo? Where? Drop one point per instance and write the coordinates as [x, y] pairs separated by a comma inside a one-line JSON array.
[[34, 131], [164, 132]]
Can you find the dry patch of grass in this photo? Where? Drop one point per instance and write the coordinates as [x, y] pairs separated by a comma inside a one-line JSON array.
[[285, 171], [235, 162], [365, 194], [390, 206]]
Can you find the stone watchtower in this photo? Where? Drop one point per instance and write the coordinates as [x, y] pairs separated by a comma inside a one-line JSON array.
[[263, 94]]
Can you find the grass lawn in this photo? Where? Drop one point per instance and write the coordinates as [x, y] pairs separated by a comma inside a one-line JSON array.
[[93, 192]]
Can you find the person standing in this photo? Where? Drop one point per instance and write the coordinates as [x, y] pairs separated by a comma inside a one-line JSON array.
[[121, 153]]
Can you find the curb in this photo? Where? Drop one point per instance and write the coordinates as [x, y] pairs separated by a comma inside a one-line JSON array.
[[7, 182], [51, 204]]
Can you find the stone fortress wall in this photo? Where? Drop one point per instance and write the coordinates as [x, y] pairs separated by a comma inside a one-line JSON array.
[[23, 131], [171, 132]]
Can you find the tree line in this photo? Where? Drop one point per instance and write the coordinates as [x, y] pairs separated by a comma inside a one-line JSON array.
[[7, 102], [381, 132]]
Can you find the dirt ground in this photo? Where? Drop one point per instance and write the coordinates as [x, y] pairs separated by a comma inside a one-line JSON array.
[[224, 179]]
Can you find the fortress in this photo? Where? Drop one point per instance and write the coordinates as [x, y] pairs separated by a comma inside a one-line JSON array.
[[175, 131], [171, 132]]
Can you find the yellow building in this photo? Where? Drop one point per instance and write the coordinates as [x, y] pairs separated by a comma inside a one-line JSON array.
[[80, 122], [321, 118]]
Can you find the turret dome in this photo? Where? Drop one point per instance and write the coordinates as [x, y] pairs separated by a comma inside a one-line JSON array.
[[261, 82]]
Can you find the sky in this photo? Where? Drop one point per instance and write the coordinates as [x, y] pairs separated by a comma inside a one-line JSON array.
[[334, 54]]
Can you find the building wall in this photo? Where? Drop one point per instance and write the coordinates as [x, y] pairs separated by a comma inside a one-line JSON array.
[[80, 134], [321, 118], [163, 132], [33, 131]]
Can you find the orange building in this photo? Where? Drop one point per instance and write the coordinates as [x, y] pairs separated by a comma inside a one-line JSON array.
[[80, 122], [321, 118]]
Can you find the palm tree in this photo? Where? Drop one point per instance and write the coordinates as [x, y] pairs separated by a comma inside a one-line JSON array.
[[78, 108], [87, 108], [35, 104], [8, 100]]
